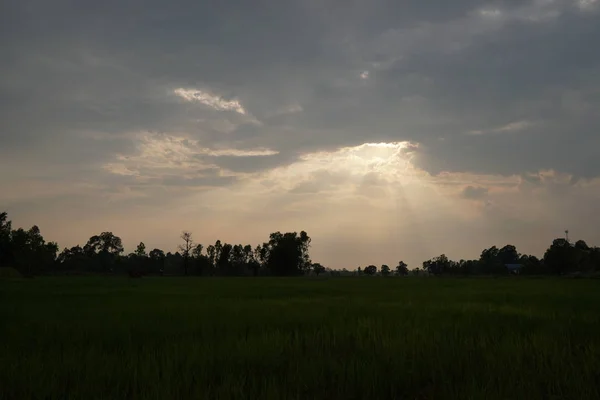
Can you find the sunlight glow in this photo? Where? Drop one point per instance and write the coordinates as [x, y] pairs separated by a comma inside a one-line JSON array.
[[384, 162]]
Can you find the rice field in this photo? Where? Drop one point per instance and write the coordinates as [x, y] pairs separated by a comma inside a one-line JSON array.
[[297, 338]]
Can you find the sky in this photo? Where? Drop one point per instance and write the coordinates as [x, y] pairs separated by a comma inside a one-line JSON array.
[[388, 130]]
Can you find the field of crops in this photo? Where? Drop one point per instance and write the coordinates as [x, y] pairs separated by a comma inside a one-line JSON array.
[[336, 338]]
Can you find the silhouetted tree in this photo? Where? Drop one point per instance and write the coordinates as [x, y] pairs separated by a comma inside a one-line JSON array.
[[251, 261], [402, 269], [318, 269], [561, 257], [385, 270], [287, 254], [438, 265], [370, 270], [6, 256], [223, 260], [105, 247], [211, 254], [532, 265], [157, 259], [31, 254], [140, 251], [508, 255], [186, 249]]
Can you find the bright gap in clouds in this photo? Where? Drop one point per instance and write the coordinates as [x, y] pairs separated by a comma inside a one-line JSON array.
[[210, 100], [387, 159]]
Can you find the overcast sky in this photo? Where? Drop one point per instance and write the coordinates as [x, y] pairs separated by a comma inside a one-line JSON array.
[[386, 129]]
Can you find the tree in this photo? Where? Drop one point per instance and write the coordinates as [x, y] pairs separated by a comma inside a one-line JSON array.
[[186, 248], [157, 258], [223, 260], [251, 261], [402, 269], [489, 261], [585, 256], [105, 248], [261, 255], [106, 242], [6, 256], [237, 260], [73, 259], [30, 251], [140, 251], [287, 254], [385, 270], [370, 270], [438, 265], [318, 269], [561, 257], [211, 254], [508, 255], [197, 252], [531, 265]]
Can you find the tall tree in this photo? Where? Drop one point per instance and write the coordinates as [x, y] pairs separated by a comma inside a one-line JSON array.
[[31, 252], [6, 256], [490, 262], [223, 261], [197, 252], [211, 254], [140, 251], [287, 254], [252, 264], [105, 247], [561, 257], [402, 269], [157, 258], [186, 248]]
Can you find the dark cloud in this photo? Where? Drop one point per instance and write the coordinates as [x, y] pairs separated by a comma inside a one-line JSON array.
[[78, 77]]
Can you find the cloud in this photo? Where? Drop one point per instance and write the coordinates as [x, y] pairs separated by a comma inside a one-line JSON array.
[[474, 193], [210, 100], [303, 112], [512, 127]]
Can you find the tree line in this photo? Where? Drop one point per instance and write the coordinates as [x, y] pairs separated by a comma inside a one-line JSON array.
[[284, 254]]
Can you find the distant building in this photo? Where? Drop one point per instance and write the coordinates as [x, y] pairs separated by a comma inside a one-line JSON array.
[[514, 268]]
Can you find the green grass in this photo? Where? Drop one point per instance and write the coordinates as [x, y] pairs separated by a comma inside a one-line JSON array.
[[345, 338]]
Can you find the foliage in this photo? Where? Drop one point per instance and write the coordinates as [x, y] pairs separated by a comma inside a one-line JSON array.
[[285, 254], [318, 269], [385, 270], [402, 269], [370, 270]]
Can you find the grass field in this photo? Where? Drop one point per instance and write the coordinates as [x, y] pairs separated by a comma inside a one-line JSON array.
[[344, 338]]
